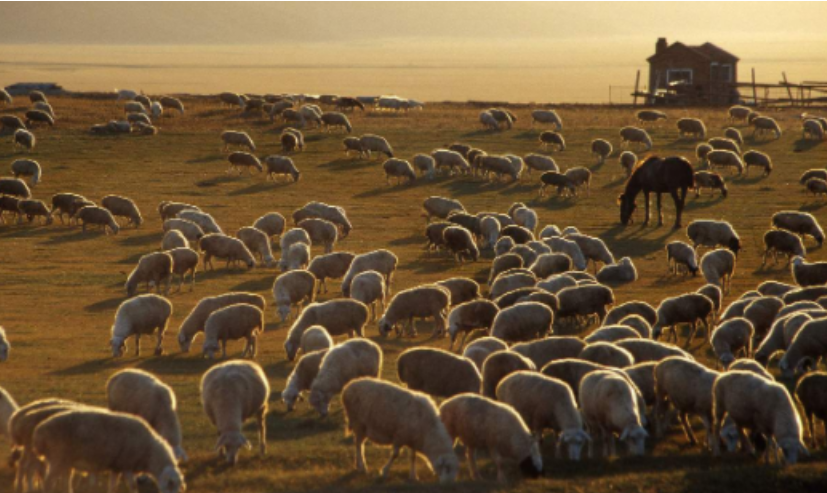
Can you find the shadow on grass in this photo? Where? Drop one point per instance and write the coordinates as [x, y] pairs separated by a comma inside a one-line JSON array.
[[804, 145], [349, 164], [702, 202], [142, 240], [207, 159], [77, 236], [256, 285], [413, 239], [260, 187], [217, 180], [105, 305], [94, 365], [813, 206]]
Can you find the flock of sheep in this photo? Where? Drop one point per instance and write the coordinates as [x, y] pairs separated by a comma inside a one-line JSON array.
[[512, 373]]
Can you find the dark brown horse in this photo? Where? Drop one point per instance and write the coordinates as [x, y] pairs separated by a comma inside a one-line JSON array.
[[672, 175]]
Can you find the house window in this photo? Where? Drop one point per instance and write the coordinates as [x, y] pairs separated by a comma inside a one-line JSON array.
[[721, 72], [679, 75]]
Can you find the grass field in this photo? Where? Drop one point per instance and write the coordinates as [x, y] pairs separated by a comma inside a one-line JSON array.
[[60, 287]]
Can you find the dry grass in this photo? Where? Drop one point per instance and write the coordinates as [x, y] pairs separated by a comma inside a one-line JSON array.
[[61, 287]]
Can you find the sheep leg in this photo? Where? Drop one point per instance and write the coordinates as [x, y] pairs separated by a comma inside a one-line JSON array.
[[113, 482], [501, 477], [471, 454], [386, 469], [137, 344], [359, 442], [687, 428], [159, 348], [262, 430], [811, 428], [224, 347]]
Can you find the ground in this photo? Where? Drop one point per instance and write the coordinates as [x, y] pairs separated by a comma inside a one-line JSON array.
[[61, 286]]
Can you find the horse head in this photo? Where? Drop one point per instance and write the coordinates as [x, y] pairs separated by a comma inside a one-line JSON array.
[[627, 208]]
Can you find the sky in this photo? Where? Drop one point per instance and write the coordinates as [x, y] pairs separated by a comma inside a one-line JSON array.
[[244, 23]]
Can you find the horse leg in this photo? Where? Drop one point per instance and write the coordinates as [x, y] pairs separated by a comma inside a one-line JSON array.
[[680, 202], [646, 203], [660, 211]]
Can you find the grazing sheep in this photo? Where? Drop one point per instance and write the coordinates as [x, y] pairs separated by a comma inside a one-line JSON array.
[[487, 120], [811, 293], [451, 159], [602, 149], [338, 317], [816, 186], [462, 289], [170, 210], [467, 221], [293, 289], [281, 165], [561, 181], [39, 116], [570, 248], [410, 419], [231, 393], [761, 312], [739, 113], [24, 139], [191, 231], [257, 242], [478, 350], [758, 159], [382, 261], [369, 288], [718, 267], [641, 308], [724, 158], [549, 264], [635, 135], [540, 163], [425, 164], [547, 116], [812, 129], [522, 322], [171, 102], [292, 237], [137, 119], [65, 203], [31, 209], [239, 321], [400, 169], [580, 177], [622, 272], [585, 301], [375, 143], [194, 323], [607, 354], [420, 302], [342, 364], [490, 231], [460, 243], [142, 315], [519, 234], [332, 213], [688, 308], [649, 116], [509, 281], [141, 394], [800, 223], [240, 160], [332, 119], [468, 316], [809, 273], [645, 350], [784, 242], [205, 221], [680, 256], [352, 144], [320, 232], [609, 405], [295, 257], [330, 266], [123, 207], [611, 333], [672, 387], [712, 234], [764, 124], [437, 372], [504, 245], [184, 260], [93, 215], [774, 288], [315, 338], [152, 269], [701, 151], [26, 167], [553, 139], [134, 107], [734, 135], [731, 337], [692, 127], [235, 138], [807, 347], [271, 224], [710, 180], [638, 324], [482, 423], [302, 376], [811, 392], [225, 247]]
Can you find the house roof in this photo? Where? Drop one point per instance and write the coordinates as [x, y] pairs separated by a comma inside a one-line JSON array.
[[706, 51]]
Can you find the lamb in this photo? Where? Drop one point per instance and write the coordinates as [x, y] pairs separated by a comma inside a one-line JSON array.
[[142, 315], [758, 159], [692, 127], [411, 420], [281, 165], [437, 372], [612, 333], [680, 256], [585, 301], [420, 302], [800, 223], [375, 143], [98, 216], [762, 406], [382, 261], [302, 376], [468, 316], [810, 392], [320, 232], [239, 321], [688, 308], [672, 378], [141, 394], [152, 269], [236, 138], [171, 102], [540, 163], [240, 160], [338, 317], [570, 248], [369, 288], [26, 167], [547, 116], [332, 213], [620, 273], [807, 347], [731, 337], [580, 177], [184, 261], [809, 273], [400, 169], [718, 267], [257, 241], [231, 393], [648, 116], [553, 139], [226, 247], [764, 124], [205, 221], [194, 323], [549, 264], [780, 241], [635, 135], [724, 158], [710, 180], [490, 229], [293, 289], [543, 351], [607, 354], [191, 231], [170, 210], [451, 159], [712, 234], [609, 406], [330, 266], [522, 322], [342, 364], [98, 440], [460, 243], [641, 308], [482, 423], [123, 207]]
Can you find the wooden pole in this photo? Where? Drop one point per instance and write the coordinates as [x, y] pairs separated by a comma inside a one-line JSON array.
[[754, 89], [637, 84], [789, 91]]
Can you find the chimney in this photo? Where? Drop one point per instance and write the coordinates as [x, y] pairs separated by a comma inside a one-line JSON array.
[[660, 45]]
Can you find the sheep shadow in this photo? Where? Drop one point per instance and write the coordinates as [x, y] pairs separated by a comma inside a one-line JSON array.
[[481, 133], [77, 236], [812, 206], [142, 240], [751, 180], [383, 190], [132, 259], [413, 239], [528, 135], [804, 145], [703, 203], [206, 159], [255, 285], [177, 363], [105, 305], [94, 365], [615, 181], [345, 164], [554, 202], [259, 187], [217, 180], [23, 230]]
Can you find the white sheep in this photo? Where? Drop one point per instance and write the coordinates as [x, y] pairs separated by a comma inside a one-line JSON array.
[[258, 242], [27, 167], [712, 234], [239, 321], [338, 317], [194, 323], [236, 138], [686, 386], [732, 337], [635, 135], [680, 256], [293, 289], [142, 315], [609, 406], [369, 288], [718, 267], [522, 322], [800, 223], [342, 364], [547, 116]]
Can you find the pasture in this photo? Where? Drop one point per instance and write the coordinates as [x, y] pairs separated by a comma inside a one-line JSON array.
[[60, 286]]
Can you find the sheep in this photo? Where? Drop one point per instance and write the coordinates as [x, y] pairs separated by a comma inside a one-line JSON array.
[[437, 373], [239, 321], [724, 158], [780, 241], [369, 288], [425, 164], [191, 231], [620, 273], [24, 139], [608, 403], [184, 260], [808, 175], [271, 224], [498, 365], [170, 210], [519, 234], [561, 181], [522, 322], [123, 207], [152, 269], [479, 349], [138, 119], [504, 245], [39, 116], [761, 312], [142, 315], [710, 180], [320, 232], [673, 376], [731, 337], [688, 308], [509, 281], [714, 293], [809, 273], [751, 366], [467, 221], [231, 393], [523, 216], [607, 354], [205, 221], [66, 203], [764, 124], [481, 423], [758, 159], [281, 165], [800, 223], [141, 394], [5, 97], [26, 167], [718, 267], [258, 242], [382, 261], [490, 229], [680, 256], [332, 213], [240, 160], [419, 302], [503, 116], [236, 138], [543, 351], [332, 119], [97, 440], [460, 243], [692, 127], [31, 208], [553, 139], [330, 266], [315, 338], [635, 135], [712, 234], [774, 288], [462, 289], [221, 246], [293, 289], [171, 102], [779, 337], [810, 392], [584, 301], [547, 116], [701, 151], [451, 159], [739, 113], [816, 186], [197, 318], [612, 333], [344, 363], [641, 308], [231, 99], [302, 376], [338, 317], [649, 116], [400, 169], [549, 264], [375, 143], [812, 129], [468, 316], [807, 347], [580, 177], [762, 406], [295, 257], [93, 215], [497, 166], [734, 135], [540, 163], [412, 420], [811, 293], [487, 120], [627, 161], [352, 144], [292, 237]]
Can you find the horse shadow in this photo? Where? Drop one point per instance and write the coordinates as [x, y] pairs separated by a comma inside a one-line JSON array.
[[703, 203]]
